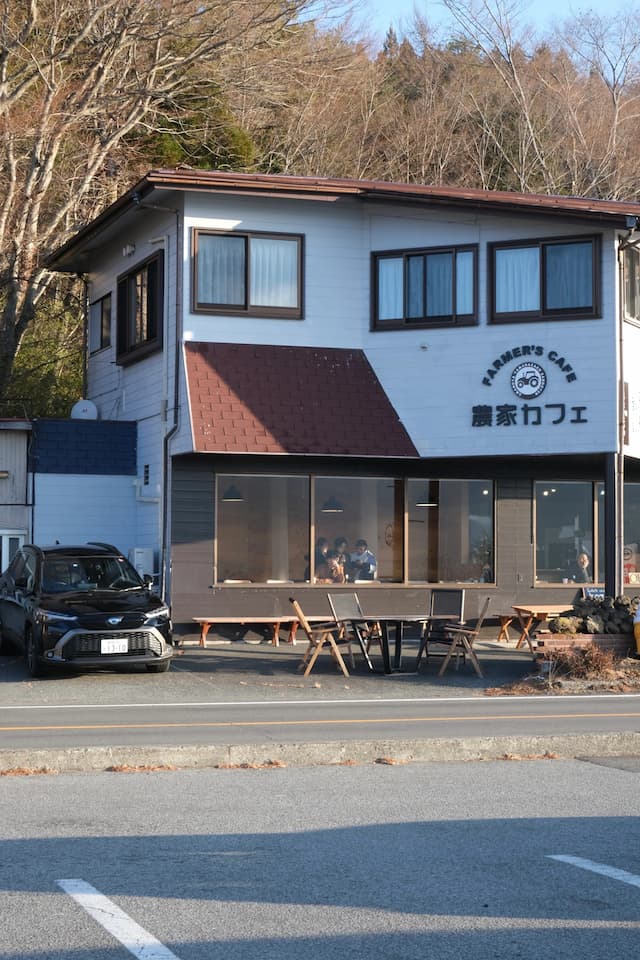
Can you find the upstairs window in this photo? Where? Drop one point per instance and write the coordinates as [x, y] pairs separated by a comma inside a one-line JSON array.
[[425, 288], [632, 284], [252, 274], [140, 310], [100, 324], [545, 279]]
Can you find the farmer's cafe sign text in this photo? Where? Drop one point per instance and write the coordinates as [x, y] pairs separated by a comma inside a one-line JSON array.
[[527, 368]]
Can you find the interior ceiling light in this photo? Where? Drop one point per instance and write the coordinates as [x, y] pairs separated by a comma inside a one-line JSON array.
[[232, 495], [332, 506]]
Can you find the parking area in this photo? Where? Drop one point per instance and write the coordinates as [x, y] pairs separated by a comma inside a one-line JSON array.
[[242, 665]]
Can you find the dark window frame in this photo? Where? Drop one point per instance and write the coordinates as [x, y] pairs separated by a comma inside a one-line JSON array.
[[593, 312], [630, 252], [105, 322], [412, 323], [131, 346], [247, 309]]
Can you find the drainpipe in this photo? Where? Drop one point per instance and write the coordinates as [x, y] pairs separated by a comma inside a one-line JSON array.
[[165, 575], [171, 431], [614, 505]]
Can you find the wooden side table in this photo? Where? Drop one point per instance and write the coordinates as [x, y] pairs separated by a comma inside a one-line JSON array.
[[506, 619]]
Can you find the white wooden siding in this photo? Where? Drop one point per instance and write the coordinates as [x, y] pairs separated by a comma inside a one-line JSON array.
[[78, 508], [432, 376]]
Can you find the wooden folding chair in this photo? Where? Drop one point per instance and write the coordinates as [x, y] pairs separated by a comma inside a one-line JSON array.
[[461, 640], [318, 636]]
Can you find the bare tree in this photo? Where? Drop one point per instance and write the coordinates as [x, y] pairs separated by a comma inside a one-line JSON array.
[[76, 78]]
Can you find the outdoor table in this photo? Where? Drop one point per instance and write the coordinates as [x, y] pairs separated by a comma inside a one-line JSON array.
[[534, 614], [397, 622]]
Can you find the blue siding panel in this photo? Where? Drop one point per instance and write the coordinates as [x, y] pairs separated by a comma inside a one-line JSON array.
[[106, 447]]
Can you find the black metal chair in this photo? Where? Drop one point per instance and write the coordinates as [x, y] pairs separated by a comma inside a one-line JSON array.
[[349, 615], [446, 607]]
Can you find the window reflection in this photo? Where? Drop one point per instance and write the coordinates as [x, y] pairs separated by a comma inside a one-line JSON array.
[[450, 530]]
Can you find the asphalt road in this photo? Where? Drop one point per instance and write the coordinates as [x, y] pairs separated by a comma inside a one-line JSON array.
[[476, 860], [249, 705], [300, 721]]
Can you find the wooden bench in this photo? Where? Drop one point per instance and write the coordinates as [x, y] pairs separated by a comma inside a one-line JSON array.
[[274, 622]]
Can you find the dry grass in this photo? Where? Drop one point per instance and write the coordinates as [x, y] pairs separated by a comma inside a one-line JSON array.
[[28, 772], [267, 765], [142, 768], [590, 669], [591, 663]]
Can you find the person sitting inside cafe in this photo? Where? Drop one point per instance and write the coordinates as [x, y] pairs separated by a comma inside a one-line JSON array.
[[342, 547], [363, 562], [322, 546], [580, 572], [330, 570]]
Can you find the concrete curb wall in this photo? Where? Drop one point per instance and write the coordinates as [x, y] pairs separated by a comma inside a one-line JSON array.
[[94, 759]]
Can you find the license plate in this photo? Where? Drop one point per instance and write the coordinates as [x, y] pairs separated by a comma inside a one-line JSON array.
[[114, 645]]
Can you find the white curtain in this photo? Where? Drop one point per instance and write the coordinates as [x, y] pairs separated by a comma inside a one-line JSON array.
[[464, 282], [517, 279], [439, 285], [568, 275], [221, 269], [274, 272], [390, 288]]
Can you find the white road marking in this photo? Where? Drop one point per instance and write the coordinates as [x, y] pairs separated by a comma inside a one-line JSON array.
[[131, 935], [602, 868], [309, 703]]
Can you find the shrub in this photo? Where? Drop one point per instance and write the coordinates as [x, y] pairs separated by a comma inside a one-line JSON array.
[[591, 663]]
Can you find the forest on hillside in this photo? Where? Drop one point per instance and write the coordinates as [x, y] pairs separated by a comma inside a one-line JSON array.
[[95, 93]]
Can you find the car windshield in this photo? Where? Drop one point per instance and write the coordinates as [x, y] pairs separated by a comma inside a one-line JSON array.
[[65, 574]]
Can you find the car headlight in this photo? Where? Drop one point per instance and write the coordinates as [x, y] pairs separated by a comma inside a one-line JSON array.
[[158, 617], [51, 616]]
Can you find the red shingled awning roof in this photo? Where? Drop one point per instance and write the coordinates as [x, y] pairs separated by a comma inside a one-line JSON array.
[[248, 398]]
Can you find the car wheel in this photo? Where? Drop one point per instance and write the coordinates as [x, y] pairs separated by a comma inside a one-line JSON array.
[[158, 667], [34, 666]]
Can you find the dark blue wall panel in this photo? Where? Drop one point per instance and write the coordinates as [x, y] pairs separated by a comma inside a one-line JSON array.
[[83, 447]]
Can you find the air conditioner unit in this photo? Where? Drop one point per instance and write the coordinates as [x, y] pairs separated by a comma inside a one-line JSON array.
[[142, 559]]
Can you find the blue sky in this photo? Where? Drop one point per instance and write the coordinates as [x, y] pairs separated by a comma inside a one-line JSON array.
[[379, 14]]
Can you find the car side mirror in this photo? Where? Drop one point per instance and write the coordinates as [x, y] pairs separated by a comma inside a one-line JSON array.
[[147, 580]]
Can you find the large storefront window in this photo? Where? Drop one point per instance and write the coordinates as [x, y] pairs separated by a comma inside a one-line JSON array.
[[350, 510], [632, 533], [263, 528], [564, 532], [268, 532], [450, 531]]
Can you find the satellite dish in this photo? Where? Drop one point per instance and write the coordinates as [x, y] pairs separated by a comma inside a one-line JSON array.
[[84, 410]]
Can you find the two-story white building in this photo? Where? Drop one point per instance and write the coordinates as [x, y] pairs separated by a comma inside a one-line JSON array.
[[451, 375]]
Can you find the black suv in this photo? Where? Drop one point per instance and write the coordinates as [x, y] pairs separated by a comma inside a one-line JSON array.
[[82, 606]]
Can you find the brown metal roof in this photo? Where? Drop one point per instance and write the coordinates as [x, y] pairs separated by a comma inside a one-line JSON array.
[[611, 212], [248, 398], [329, 187]]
